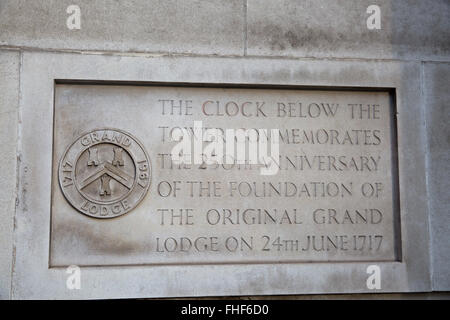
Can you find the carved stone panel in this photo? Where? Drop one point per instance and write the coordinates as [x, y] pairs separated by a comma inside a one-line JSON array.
[[118, 198]]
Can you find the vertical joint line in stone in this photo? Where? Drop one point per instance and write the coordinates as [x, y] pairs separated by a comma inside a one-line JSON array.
[[245, 26], [426, 135], [18, 155]]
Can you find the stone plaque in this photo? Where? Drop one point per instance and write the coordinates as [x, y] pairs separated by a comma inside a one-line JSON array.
[[326, 192]]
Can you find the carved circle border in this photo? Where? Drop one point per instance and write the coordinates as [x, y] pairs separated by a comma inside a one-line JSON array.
[[145, 191]]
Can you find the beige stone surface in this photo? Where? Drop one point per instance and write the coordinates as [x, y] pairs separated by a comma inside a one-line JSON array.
[[320, 43], [33, 227], [326, 28], [436, 78], [332, 197], [174, 26], [9, 108]]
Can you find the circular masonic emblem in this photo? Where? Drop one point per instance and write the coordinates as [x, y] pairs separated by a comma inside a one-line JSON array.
[[105, 173]]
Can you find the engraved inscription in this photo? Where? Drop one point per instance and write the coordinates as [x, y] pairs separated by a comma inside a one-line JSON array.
[[331, 196]]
